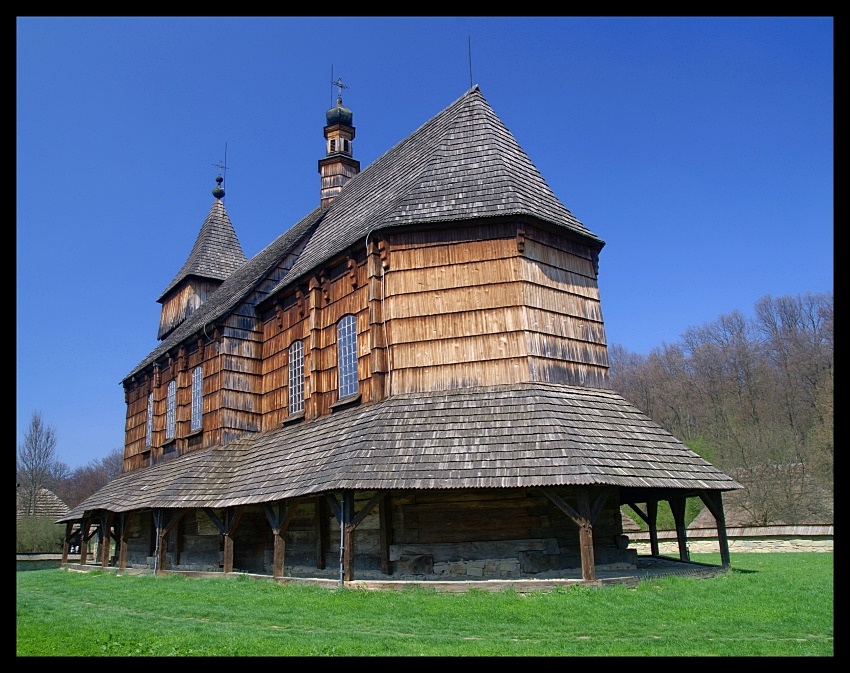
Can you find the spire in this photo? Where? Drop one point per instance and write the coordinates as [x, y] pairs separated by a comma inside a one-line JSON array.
[[215, 255], [338, 166]]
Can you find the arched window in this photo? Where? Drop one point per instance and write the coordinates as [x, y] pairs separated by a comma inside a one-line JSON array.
[[197, 397], [170, 420], [296, 377], [346, 344], [149, 427]]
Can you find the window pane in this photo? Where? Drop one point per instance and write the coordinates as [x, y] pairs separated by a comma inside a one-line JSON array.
[[169, 412], [149, 429], [197, 397], [346, 340], [296, 377]]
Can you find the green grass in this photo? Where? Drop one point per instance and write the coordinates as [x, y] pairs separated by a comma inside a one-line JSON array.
[[766, 605]]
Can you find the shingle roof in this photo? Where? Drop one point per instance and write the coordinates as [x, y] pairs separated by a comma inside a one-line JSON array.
[[216, 253], [523, 435], [462, 164], [47, 504]]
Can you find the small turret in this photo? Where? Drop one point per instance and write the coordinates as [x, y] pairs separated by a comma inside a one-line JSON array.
[[338, 166]]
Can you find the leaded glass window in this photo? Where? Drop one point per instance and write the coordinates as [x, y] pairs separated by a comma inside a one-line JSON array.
[[346, 340]]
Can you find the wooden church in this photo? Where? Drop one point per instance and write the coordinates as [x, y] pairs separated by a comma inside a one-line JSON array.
[[411, 380]]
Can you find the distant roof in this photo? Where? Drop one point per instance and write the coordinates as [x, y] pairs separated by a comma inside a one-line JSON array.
[[522, 435], [47, 505], [216, 253]]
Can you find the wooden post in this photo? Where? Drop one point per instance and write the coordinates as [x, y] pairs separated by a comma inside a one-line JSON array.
[[348, 535], [386, 533], [588, 566], [677, 506], [127, 521], [105, 538], [84, 540], [231, 521], [69, 527], [322, 531], [714, 501], [279, 522], [652, 513]]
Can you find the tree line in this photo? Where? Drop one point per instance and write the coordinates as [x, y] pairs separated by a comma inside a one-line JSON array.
[[752, 396]]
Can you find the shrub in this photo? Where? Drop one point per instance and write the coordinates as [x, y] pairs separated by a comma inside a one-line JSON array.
[[35, 534]]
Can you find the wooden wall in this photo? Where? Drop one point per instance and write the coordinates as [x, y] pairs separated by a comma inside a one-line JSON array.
[[447, 526], [436, 309]]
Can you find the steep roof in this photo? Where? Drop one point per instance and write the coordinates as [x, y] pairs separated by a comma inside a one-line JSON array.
[[462, 164], [216, 253], [522, 435]]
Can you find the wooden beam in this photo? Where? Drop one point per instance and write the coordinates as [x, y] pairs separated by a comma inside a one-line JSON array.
[[363, 513], [583, 519], [561, 504], [637, 510]]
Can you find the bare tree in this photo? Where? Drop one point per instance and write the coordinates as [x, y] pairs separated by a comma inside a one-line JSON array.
[[84, 481], [37, 465], [756, 397]]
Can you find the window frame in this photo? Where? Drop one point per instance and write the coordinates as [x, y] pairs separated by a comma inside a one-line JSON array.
[[197, 422], [171, 411], [346, 342], [149, 422], [296, 377]]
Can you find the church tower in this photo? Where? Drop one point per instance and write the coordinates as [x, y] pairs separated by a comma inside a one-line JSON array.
[[338, 166]]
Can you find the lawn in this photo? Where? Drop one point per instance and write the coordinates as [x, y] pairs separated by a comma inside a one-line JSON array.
[[766, 605]]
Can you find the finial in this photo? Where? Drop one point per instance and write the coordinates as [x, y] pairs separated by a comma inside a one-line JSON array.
[[218, 190]]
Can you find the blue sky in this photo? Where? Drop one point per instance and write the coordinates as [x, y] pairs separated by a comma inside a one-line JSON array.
[[700, 149]]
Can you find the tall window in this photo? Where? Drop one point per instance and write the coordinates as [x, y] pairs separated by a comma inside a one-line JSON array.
[[296, 377], [197, 397], [149, 428], [170, 420], [346, 343]]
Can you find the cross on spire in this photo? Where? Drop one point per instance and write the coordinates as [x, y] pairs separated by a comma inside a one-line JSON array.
[[340, 86], [220, 165]]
